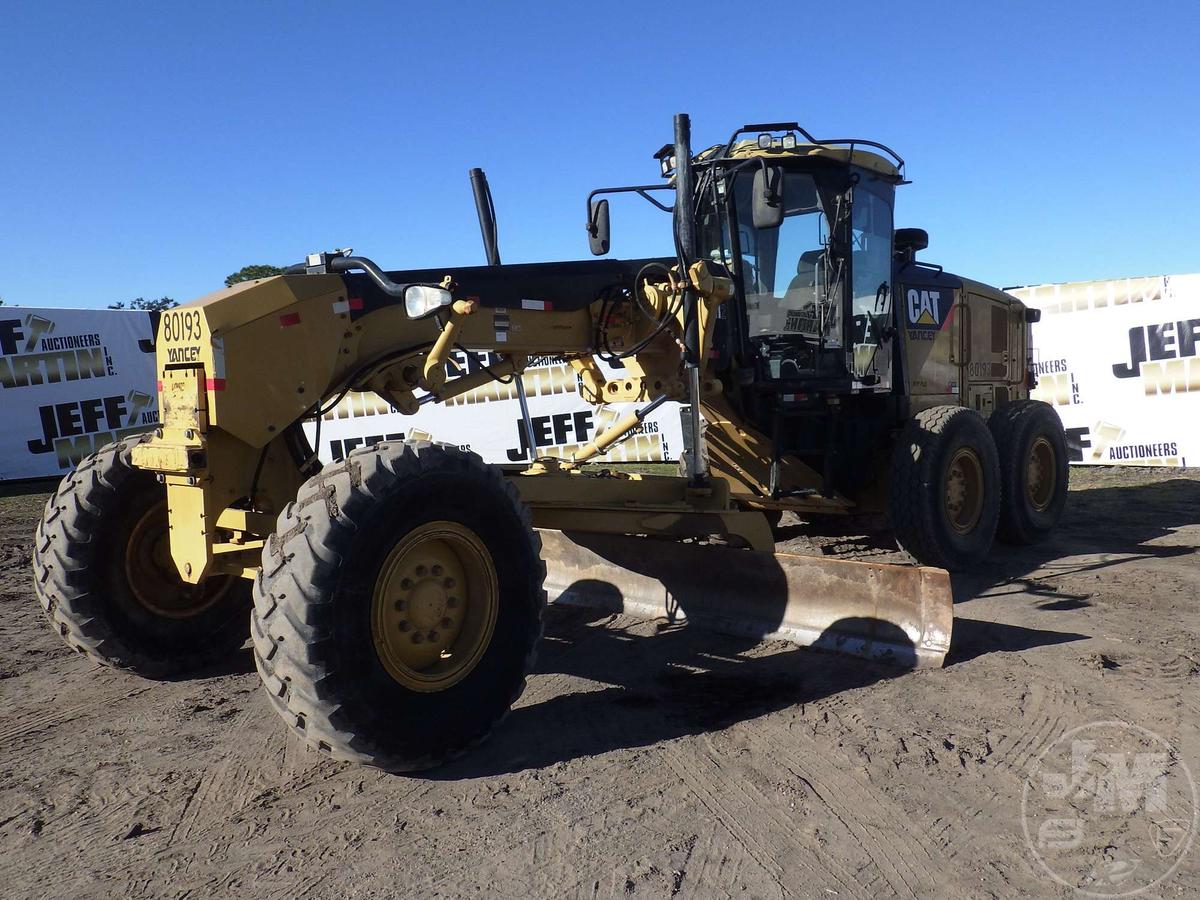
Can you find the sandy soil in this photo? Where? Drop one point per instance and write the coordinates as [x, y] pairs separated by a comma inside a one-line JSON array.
[[638, 763]]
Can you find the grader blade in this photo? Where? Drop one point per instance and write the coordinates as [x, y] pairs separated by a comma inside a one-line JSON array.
[[899, 613]]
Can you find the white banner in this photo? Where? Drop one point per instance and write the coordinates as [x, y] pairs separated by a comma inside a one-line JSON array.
[[488, 420], [71, 381], [1118, 360]]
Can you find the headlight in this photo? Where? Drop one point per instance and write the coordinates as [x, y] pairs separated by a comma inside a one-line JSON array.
[[420, 300]]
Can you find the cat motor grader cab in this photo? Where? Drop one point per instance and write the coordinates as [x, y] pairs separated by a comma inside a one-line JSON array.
[[397, 594]]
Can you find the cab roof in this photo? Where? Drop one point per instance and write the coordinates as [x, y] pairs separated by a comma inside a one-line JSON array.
[[846, 155]]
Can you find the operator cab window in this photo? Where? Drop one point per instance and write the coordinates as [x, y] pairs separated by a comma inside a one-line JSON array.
[[785, 270]]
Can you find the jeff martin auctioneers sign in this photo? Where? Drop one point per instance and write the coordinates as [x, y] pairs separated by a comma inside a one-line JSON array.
[[1119, 361]]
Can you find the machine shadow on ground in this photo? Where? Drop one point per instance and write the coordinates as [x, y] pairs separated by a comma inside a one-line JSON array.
[[1113, 524], [685, 680], [676, 681], [1108, 526]]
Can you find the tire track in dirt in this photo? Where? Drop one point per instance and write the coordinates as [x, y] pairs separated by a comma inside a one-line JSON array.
[[578, 855], [25, 722], [1050, 710], [1047, 710], [241, 850], [230, 783], [213, 802], [730, 807], [565, 857], [848, 881], [201, 827], [1171, 688], [716, 867], [88, 825], [884, 832]]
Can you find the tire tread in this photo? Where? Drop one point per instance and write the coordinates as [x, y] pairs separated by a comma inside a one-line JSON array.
[[293, 606]]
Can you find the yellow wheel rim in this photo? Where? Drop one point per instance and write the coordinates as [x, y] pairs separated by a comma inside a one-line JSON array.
[[152, 575], [1041, 478], [434, 607], [963, 494]]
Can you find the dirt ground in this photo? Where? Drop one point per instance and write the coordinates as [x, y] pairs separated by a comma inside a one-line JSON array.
[[637, 763]]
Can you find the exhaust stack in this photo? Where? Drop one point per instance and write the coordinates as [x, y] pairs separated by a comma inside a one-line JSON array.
[[487, 215]]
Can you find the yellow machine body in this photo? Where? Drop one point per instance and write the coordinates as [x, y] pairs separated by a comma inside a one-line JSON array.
[[241, 368]]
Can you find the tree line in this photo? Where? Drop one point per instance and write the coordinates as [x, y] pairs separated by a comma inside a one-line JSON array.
[[245, 273]]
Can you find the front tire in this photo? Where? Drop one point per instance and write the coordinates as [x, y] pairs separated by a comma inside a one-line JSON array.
[[944, 501], [399, 606], [1034, 470], [105, 579]]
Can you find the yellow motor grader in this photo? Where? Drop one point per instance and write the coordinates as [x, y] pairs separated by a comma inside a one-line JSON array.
[[395, 597]]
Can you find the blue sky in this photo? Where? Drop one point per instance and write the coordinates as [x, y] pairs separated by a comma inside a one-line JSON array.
[[151, 149]]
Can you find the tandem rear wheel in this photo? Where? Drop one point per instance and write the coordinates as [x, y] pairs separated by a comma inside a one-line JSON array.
[[399, 606], [944, 503], [1034, 470]]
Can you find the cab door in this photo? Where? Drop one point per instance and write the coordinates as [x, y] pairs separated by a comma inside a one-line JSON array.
[[871, 337]]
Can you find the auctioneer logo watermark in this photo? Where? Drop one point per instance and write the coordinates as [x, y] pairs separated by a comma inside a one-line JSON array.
[[1109, 809], [31, 353]]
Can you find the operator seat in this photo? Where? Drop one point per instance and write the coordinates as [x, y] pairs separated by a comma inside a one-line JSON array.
[[804, 286]]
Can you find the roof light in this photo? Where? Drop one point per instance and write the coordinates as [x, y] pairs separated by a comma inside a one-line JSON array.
[[789, 141], [764, 141]]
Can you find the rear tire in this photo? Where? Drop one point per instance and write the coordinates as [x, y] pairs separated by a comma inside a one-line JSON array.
[[945, 488], [1034, 470], [105, 580], [398, 549]]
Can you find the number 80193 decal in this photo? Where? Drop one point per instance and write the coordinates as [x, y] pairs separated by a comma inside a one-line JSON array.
[[182, 332], [182, 326]]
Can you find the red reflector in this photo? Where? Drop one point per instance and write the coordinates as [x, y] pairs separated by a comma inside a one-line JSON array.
[[289, 319], [355, 303], [216, 384], [160, 387]]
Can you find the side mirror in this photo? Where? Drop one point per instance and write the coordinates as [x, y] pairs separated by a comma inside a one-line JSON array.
[[768, 197], [598, 227]]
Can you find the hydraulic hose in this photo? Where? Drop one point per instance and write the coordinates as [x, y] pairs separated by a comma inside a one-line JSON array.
[[339, 264]]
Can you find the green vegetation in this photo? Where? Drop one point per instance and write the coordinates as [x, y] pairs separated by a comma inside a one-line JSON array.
[[149, 305], [250, 273]]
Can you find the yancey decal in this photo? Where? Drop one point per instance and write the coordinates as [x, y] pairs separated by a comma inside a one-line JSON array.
[[31, 354], [927, 310]]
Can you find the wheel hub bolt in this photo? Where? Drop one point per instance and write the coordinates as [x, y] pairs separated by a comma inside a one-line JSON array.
[[417, 637]]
